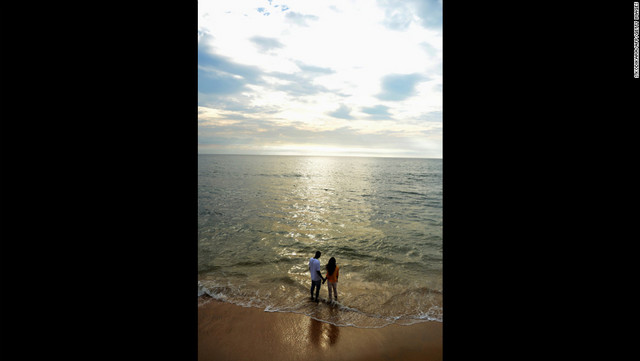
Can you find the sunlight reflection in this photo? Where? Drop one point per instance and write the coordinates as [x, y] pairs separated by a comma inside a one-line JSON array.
[[320, 194]]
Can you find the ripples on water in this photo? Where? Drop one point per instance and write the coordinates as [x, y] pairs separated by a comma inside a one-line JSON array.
[[262, 217]]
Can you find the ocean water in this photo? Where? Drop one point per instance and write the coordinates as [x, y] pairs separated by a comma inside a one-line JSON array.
[[261, 218]]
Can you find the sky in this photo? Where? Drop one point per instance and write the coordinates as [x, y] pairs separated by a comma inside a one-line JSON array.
[[320, 77]]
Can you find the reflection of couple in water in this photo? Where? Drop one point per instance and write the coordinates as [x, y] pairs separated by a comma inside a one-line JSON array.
[[323, 334], [333, 271]]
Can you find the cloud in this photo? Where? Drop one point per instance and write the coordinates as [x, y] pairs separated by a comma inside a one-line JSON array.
[[298, 84], [299, 19], [303, 82], [218, 83], [265, 44], [212, 63], [301, 88], [435, 116], [220, 75], [429, 12], [343, 112], [429, 49], [263, 11], [399, 86], [314, 69], [269, 138], [399, 14], [236, 104], [377, 112]]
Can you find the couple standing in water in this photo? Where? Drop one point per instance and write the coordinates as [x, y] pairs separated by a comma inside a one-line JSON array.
[[316, 277]]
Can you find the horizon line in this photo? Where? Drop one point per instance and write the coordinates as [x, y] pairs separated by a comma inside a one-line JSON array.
[[323, 155]]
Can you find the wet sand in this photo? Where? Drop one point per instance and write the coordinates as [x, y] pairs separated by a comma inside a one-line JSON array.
[[230, 332]]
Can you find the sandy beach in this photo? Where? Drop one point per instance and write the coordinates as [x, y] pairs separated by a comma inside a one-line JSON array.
[[231, 332]]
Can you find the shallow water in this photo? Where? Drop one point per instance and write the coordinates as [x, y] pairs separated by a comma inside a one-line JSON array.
[[262, 217]]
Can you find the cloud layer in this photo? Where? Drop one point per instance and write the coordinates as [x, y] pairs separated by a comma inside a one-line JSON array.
[[325, 78]]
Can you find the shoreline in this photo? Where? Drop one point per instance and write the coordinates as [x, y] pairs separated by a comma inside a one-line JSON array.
[[231, 332]]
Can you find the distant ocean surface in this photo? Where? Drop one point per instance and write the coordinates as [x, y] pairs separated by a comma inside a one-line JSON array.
[[260, 219]]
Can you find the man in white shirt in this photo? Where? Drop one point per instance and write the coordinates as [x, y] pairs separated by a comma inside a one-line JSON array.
[[316, 276]]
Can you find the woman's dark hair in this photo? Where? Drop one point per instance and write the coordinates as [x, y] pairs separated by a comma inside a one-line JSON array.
[[331, 266]]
